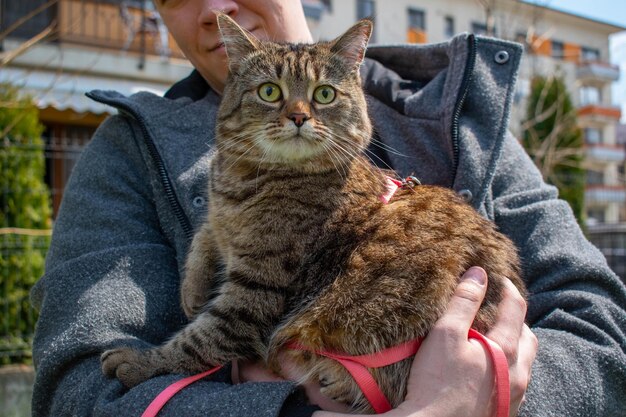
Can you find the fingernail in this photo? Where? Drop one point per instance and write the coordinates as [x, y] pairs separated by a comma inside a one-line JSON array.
[[476, 274]]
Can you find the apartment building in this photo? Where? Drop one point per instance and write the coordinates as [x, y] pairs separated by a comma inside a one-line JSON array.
[[69, 47], [575, 47], [123, 45]]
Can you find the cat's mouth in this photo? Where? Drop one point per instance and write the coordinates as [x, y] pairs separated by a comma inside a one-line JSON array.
[[294, 147]]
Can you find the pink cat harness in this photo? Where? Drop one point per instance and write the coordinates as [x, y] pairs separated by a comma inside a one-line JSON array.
[[357, 365]]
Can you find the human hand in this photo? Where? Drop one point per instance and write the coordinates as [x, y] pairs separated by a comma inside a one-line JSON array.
[[452, 375], [517, 341]]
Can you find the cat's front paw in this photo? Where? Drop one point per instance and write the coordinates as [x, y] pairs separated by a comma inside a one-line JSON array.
[[129, 365], [338, 387], [193, 305]]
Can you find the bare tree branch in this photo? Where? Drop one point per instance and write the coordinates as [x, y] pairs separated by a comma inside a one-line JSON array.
[[9, 56], [27, 17]]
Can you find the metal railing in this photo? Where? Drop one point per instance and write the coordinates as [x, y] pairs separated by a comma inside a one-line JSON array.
[[611, 240], [123, 25], [24, 239]]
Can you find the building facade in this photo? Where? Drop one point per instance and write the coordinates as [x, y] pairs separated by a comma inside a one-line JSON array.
[[56, 51], [571, 46]]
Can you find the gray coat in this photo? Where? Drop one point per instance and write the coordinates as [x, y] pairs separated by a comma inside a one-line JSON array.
[[139, 191]]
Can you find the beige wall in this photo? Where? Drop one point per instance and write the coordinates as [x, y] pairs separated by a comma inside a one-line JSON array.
[[510, 17]]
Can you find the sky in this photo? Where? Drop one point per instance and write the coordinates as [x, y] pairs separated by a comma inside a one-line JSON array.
[[609, 11]]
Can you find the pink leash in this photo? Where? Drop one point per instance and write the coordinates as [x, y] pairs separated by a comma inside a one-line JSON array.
[[357, 367], [173, 389]]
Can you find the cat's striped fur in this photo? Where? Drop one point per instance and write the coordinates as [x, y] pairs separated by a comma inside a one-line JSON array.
[[311, 254]]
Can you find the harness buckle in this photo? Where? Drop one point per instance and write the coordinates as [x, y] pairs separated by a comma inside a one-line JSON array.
[[410, 182]]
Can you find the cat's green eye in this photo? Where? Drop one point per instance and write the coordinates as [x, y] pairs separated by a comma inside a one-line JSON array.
[[324, 94], [270, 92]]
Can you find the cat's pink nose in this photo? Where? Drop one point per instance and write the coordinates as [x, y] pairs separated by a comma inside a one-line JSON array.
[[299, 118]]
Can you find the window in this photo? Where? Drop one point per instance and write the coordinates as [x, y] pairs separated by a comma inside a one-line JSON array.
[[589, 95], [365, 8], [590, 54], [479, 28], [522, 90], [620, 138], [417, 20], [482, 29], [595, 215], [595, 177], [416, 32], [558, 49], [521, 37], [64, 144], [449, 26], [593, 136]]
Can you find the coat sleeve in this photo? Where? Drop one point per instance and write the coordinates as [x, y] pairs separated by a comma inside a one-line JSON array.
[[576, 303], [112, 279]]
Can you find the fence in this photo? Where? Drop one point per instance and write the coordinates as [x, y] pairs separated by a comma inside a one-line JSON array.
[[611, 240], [18, 248], [28, 168]]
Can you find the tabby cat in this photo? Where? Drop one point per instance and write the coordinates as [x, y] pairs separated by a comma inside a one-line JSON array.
[[310, 252]]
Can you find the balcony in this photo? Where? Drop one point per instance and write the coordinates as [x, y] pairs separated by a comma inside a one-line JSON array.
[[594, 71], [605, 194], [599, 113], [128, 26], [605, 153]]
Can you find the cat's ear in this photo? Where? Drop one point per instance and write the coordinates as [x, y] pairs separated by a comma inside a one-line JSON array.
[[237, 42], [351, 45]]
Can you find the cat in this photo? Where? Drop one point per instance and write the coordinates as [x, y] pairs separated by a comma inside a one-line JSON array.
[[310, 252]]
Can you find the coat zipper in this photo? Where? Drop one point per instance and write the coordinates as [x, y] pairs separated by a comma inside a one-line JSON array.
[[465, 86], [175, 205]]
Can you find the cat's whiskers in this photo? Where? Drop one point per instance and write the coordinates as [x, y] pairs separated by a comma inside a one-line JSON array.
[[233, 144], [366, 151], [232, 141], [387, 148], [367, 154], [352, 155], [378, 144], [237, 160], [332, 155], [258, 171]]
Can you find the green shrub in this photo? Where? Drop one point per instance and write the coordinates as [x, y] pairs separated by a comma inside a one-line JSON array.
[[25, 221]]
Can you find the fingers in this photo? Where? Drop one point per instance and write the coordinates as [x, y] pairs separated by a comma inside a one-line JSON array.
[[248, 371], [520, 372], [465, 303], [507, 330], [517, 341], [452, 375]]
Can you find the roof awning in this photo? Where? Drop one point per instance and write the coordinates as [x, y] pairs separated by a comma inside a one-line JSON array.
[[63, 91]]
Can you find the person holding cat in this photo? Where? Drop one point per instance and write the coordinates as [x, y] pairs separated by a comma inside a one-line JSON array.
[[138, 194]]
